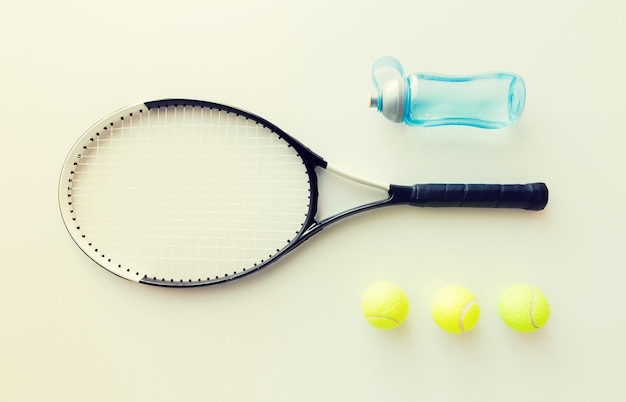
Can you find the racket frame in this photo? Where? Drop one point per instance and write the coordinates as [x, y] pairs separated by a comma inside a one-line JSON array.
[[310, 159]]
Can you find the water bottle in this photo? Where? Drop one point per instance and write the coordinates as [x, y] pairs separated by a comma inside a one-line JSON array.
[[491, 100]]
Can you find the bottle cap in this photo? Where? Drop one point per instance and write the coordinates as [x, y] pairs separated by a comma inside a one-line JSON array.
[[389, 97]]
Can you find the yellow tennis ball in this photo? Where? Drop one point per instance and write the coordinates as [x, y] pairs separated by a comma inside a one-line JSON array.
[[455, 309], [385, 305], [524, 308]]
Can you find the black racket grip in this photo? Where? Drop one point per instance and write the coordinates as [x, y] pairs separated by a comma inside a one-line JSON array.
[[532, 196]]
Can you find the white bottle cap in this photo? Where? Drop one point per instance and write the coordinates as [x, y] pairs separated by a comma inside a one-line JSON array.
[[390, 99], [390, 96]]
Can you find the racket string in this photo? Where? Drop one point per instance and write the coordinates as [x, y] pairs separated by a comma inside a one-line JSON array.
[[188, 193]]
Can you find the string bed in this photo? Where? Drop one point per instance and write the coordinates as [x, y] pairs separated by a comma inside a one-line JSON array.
[[186, 193]]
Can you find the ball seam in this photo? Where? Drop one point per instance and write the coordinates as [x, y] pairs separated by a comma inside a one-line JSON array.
[[384, 317], [464, 313], [532, 309]]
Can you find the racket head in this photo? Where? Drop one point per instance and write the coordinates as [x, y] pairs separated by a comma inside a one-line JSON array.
[[187, 193]]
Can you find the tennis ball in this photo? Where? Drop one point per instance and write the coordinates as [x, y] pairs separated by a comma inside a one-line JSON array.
[[524, 308], [455, 309], [385, 305]]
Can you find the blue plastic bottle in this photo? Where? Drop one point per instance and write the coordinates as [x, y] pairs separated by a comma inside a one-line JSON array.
[[492, 100]]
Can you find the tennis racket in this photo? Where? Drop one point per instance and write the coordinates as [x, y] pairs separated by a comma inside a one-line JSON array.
[[183, 193]]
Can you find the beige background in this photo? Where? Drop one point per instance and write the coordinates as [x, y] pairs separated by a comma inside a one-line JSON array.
[[74, 332]]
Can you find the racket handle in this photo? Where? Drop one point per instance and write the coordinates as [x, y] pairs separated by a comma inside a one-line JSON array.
[[533, 196]]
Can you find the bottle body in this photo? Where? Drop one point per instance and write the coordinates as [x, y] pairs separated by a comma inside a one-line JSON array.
[[490, 100], [493, 100]]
